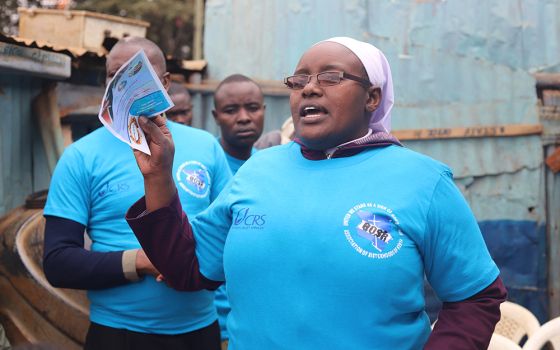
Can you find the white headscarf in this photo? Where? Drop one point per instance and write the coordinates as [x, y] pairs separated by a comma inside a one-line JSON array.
[[379, 73]]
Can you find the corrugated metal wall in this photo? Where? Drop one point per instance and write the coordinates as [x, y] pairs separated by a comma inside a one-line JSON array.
[[22, 156], [455, 63]]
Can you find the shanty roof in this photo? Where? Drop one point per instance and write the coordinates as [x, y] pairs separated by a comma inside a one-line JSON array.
[[74, 52]]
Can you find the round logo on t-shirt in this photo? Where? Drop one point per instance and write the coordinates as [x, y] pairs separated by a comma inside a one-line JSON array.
[[193, 177], [372, 230]]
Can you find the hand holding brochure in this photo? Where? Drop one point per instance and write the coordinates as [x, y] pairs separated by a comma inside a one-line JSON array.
[[134, 91]]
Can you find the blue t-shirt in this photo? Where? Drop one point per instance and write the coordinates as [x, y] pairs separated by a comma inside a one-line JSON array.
[[96, 181], [221, 302], [332, 254], [234, 163]]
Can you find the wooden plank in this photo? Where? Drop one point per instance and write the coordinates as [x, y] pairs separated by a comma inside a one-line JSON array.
[[45, 109], [469, 132], [67, 134], [34, 61], [548, 79], [269, 88], [196, 65], [198, 29], [552, 207]]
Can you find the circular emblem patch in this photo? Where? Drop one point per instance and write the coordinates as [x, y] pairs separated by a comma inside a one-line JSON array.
[[194, 178], [134, 131], [373, 230]]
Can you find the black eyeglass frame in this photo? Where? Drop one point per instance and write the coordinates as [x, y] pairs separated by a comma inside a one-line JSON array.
[[341, 75]]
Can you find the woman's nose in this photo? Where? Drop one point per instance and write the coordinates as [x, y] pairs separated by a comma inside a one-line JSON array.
[[312, 87]]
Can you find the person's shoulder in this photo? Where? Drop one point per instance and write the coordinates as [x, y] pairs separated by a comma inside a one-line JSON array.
[[92, 143], [264, 161], [415, 161], [274, 155], [272, 152], [183, 133], [82, 153]]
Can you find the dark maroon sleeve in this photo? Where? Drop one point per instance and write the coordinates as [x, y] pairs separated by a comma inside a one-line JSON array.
[[167, 238], [468, 324]]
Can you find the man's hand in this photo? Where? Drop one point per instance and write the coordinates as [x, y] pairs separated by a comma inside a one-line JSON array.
[[159, 140], [157, 169], [144, 265]]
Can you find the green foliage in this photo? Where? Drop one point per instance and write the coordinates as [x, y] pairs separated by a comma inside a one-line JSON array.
[[7, 10], [9, 16], [171, 21]]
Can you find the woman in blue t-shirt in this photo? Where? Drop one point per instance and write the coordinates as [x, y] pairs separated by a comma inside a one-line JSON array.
[[325, 241]]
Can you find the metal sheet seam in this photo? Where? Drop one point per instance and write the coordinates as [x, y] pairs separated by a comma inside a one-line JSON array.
[[512, 172]]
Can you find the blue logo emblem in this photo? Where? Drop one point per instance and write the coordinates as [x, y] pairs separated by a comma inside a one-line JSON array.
[[246, 219], [373, 230], [193, 177], [109, 188]]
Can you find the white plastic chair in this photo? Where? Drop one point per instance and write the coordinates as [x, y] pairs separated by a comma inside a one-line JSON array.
[[549, 332], [516, 322], [499, 342]]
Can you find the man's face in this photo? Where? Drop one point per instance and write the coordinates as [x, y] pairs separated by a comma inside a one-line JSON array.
[[182, 111], [239, 113]]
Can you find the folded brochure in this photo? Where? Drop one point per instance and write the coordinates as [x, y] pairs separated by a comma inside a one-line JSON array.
[[134, 91]]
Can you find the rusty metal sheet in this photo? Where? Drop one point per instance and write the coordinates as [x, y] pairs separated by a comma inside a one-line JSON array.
[[75, 52]]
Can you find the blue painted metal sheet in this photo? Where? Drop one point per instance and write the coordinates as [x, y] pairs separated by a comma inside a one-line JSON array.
[[22, 158], [519, 249], [455, 63]]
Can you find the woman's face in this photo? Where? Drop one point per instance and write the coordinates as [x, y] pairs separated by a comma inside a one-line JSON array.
[[327, 116]]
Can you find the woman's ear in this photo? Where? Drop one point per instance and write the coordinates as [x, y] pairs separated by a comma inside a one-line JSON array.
[[373, 99]]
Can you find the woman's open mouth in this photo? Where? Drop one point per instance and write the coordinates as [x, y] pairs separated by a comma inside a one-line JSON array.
[[312, 113]]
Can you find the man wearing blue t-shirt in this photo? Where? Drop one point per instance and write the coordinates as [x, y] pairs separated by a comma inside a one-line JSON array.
[[94, 183], [239, 112], [182, 112]]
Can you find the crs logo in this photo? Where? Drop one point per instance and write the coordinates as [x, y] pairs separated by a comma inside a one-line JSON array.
[[194, 178], [111, 188], [246, 220]]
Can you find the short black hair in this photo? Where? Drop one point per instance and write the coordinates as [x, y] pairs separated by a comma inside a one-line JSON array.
[[235, 78], [176, 88]]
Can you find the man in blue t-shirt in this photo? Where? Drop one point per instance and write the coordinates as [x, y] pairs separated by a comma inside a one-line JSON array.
[[182, 112], [239, 112], [94, 183]]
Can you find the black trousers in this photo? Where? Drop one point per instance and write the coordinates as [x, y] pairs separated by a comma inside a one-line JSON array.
[[107, 338]]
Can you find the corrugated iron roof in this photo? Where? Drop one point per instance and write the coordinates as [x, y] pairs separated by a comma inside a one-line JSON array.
[[74, 52], [79, 52]]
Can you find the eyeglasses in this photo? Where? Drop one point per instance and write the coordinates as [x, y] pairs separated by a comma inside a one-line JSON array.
[[298, 81]]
